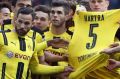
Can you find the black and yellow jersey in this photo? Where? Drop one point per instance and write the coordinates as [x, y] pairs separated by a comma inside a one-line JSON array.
[[16, 54], [49, 36], [33, 34], [94, 31], [41, 32], [66, 36]]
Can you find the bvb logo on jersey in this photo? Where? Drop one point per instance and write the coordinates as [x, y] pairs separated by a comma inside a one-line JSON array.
[[10, 54]]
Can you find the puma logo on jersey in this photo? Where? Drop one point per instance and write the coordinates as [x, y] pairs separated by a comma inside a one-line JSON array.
[[13, 43]]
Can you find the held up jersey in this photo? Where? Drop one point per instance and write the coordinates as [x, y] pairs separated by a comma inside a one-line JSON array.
[[94, 31]]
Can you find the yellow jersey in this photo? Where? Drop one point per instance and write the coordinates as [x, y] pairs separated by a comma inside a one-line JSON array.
[[16, 55], [91, 32], [66, 36]]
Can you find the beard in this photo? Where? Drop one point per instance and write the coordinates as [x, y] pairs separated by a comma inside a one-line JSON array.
[[21, 32]]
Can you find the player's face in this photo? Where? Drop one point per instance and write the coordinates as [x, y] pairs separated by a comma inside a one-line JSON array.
[[57, 16], [5, 13], [41, 20], [23, 24], [22, 3], [99, 5]]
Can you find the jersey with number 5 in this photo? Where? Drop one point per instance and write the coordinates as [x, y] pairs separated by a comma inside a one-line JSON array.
[[94, 31]]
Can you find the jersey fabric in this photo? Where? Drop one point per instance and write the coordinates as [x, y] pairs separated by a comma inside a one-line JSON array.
[[16, 53], [33, 34], [60, 52], [90, 37], [66, 36]]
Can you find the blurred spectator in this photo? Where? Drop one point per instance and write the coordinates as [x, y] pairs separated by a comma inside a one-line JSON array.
[[84, 3], [41, 21], [5, 9], [5, 13]]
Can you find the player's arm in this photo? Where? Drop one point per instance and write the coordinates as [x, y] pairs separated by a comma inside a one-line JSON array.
[[44, 69], [56, 43], [54, 58], [37, 68]]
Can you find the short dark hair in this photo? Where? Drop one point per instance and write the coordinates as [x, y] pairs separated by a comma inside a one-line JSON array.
[[27, 11], [42, 8], [15, 1], [61, 3], [5, 5]]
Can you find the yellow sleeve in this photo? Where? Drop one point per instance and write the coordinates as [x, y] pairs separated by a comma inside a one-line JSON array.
[[40, 53], [41, 46], [37, 68], [63, 63], [38, 38]]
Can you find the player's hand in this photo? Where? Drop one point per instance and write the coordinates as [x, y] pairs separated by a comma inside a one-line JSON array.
[[58, 43], [65, 57], [63, 75], [113, 64], [108, 51], [68, 69], [113, 48], [114, 45]]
